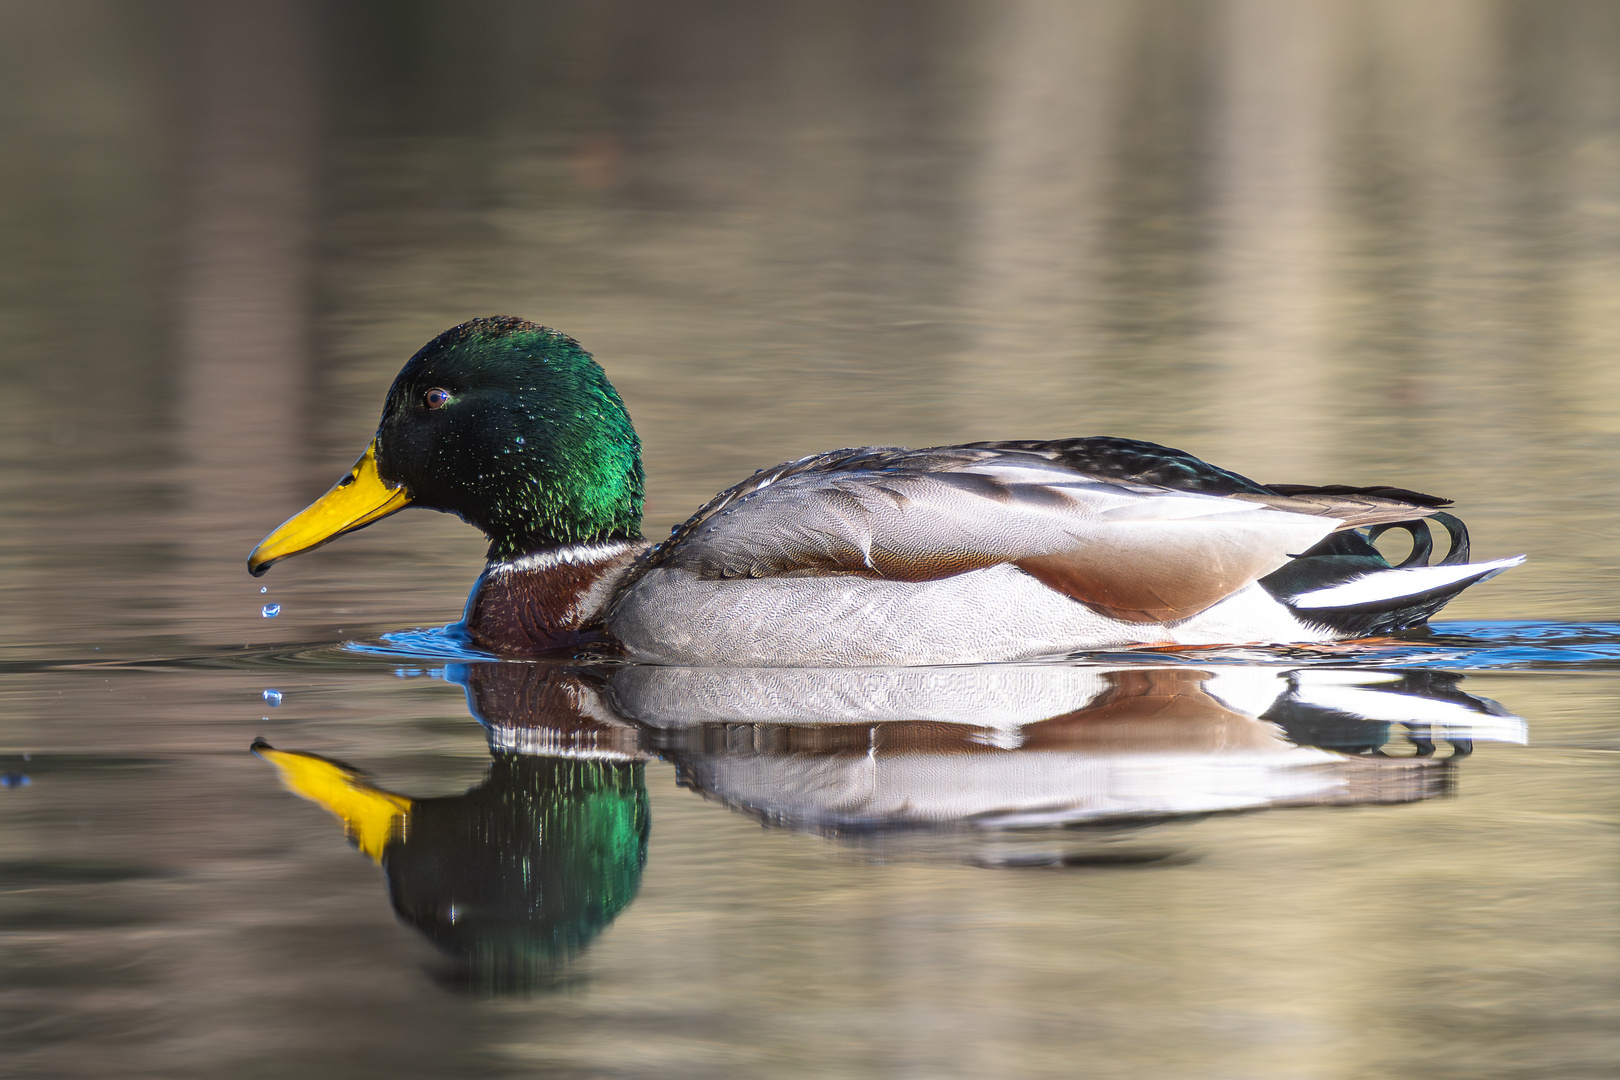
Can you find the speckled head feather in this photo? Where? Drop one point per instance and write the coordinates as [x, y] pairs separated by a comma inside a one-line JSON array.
[[514, 428]]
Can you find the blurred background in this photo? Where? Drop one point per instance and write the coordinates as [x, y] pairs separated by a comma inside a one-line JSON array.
[[1314, 241]]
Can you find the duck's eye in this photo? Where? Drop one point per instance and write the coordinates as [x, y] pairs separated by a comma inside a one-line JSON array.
[[436, 398]]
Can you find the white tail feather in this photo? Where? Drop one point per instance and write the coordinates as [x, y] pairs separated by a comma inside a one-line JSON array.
[[1393, 584]]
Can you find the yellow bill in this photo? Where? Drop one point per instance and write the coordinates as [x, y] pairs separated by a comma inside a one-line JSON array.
[[371, 816], [354, 502]]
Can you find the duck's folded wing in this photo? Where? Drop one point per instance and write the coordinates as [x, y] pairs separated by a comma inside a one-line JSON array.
[[1136, 552]]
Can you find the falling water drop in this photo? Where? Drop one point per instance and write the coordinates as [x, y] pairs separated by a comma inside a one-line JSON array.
[[270, 611], [273, 697], [263, 589]]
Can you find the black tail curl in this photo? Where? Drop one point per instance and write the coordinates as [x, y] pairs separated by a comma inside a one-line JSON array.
[[1344, 556]]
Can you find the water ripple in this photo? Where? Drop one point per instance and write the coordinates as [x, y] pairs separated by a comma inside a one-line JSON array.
[[1457, 646]]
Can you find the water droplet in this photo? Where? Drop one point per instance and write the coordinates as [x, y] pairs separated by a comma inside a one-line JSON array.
[[270, 611], [520, 440], [263, 589], [273, 697]]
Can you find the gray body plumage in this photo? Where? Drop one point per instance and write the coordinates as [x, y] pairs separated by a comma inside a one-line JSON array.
[[971, 554]]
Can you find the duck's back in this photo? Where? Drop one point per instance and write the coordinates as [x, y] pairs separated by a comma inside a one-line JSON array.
[[989, 551]]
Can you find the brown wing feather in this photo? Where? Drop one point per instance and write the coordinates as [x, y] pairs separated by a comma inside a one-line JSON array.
[[1151, 586], [1356, 508]]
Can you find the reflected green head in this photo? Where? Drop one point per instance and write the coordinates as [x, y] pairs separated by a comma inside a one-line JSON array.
[[513, 427], [519, 874]]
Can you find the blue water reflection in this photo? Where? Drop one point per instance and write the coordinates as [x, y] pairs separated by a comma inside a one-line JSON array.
[[1456, 646]]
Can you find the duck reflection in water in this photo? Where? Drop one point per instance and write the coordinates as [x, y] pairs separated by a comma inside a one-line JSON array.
[[511, 878], [518, 874]]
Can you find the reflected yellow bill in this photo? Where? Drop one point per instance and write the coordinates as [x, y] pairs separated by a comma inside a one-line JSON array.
[[370, 815]]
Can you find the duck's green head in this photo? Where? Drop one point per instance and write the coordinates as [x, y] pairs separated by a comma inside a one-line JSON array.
[[509, 425]]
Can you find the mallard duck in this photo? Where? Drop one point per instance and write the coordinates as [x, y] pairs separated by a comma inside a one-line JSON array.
[[878, 555]]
